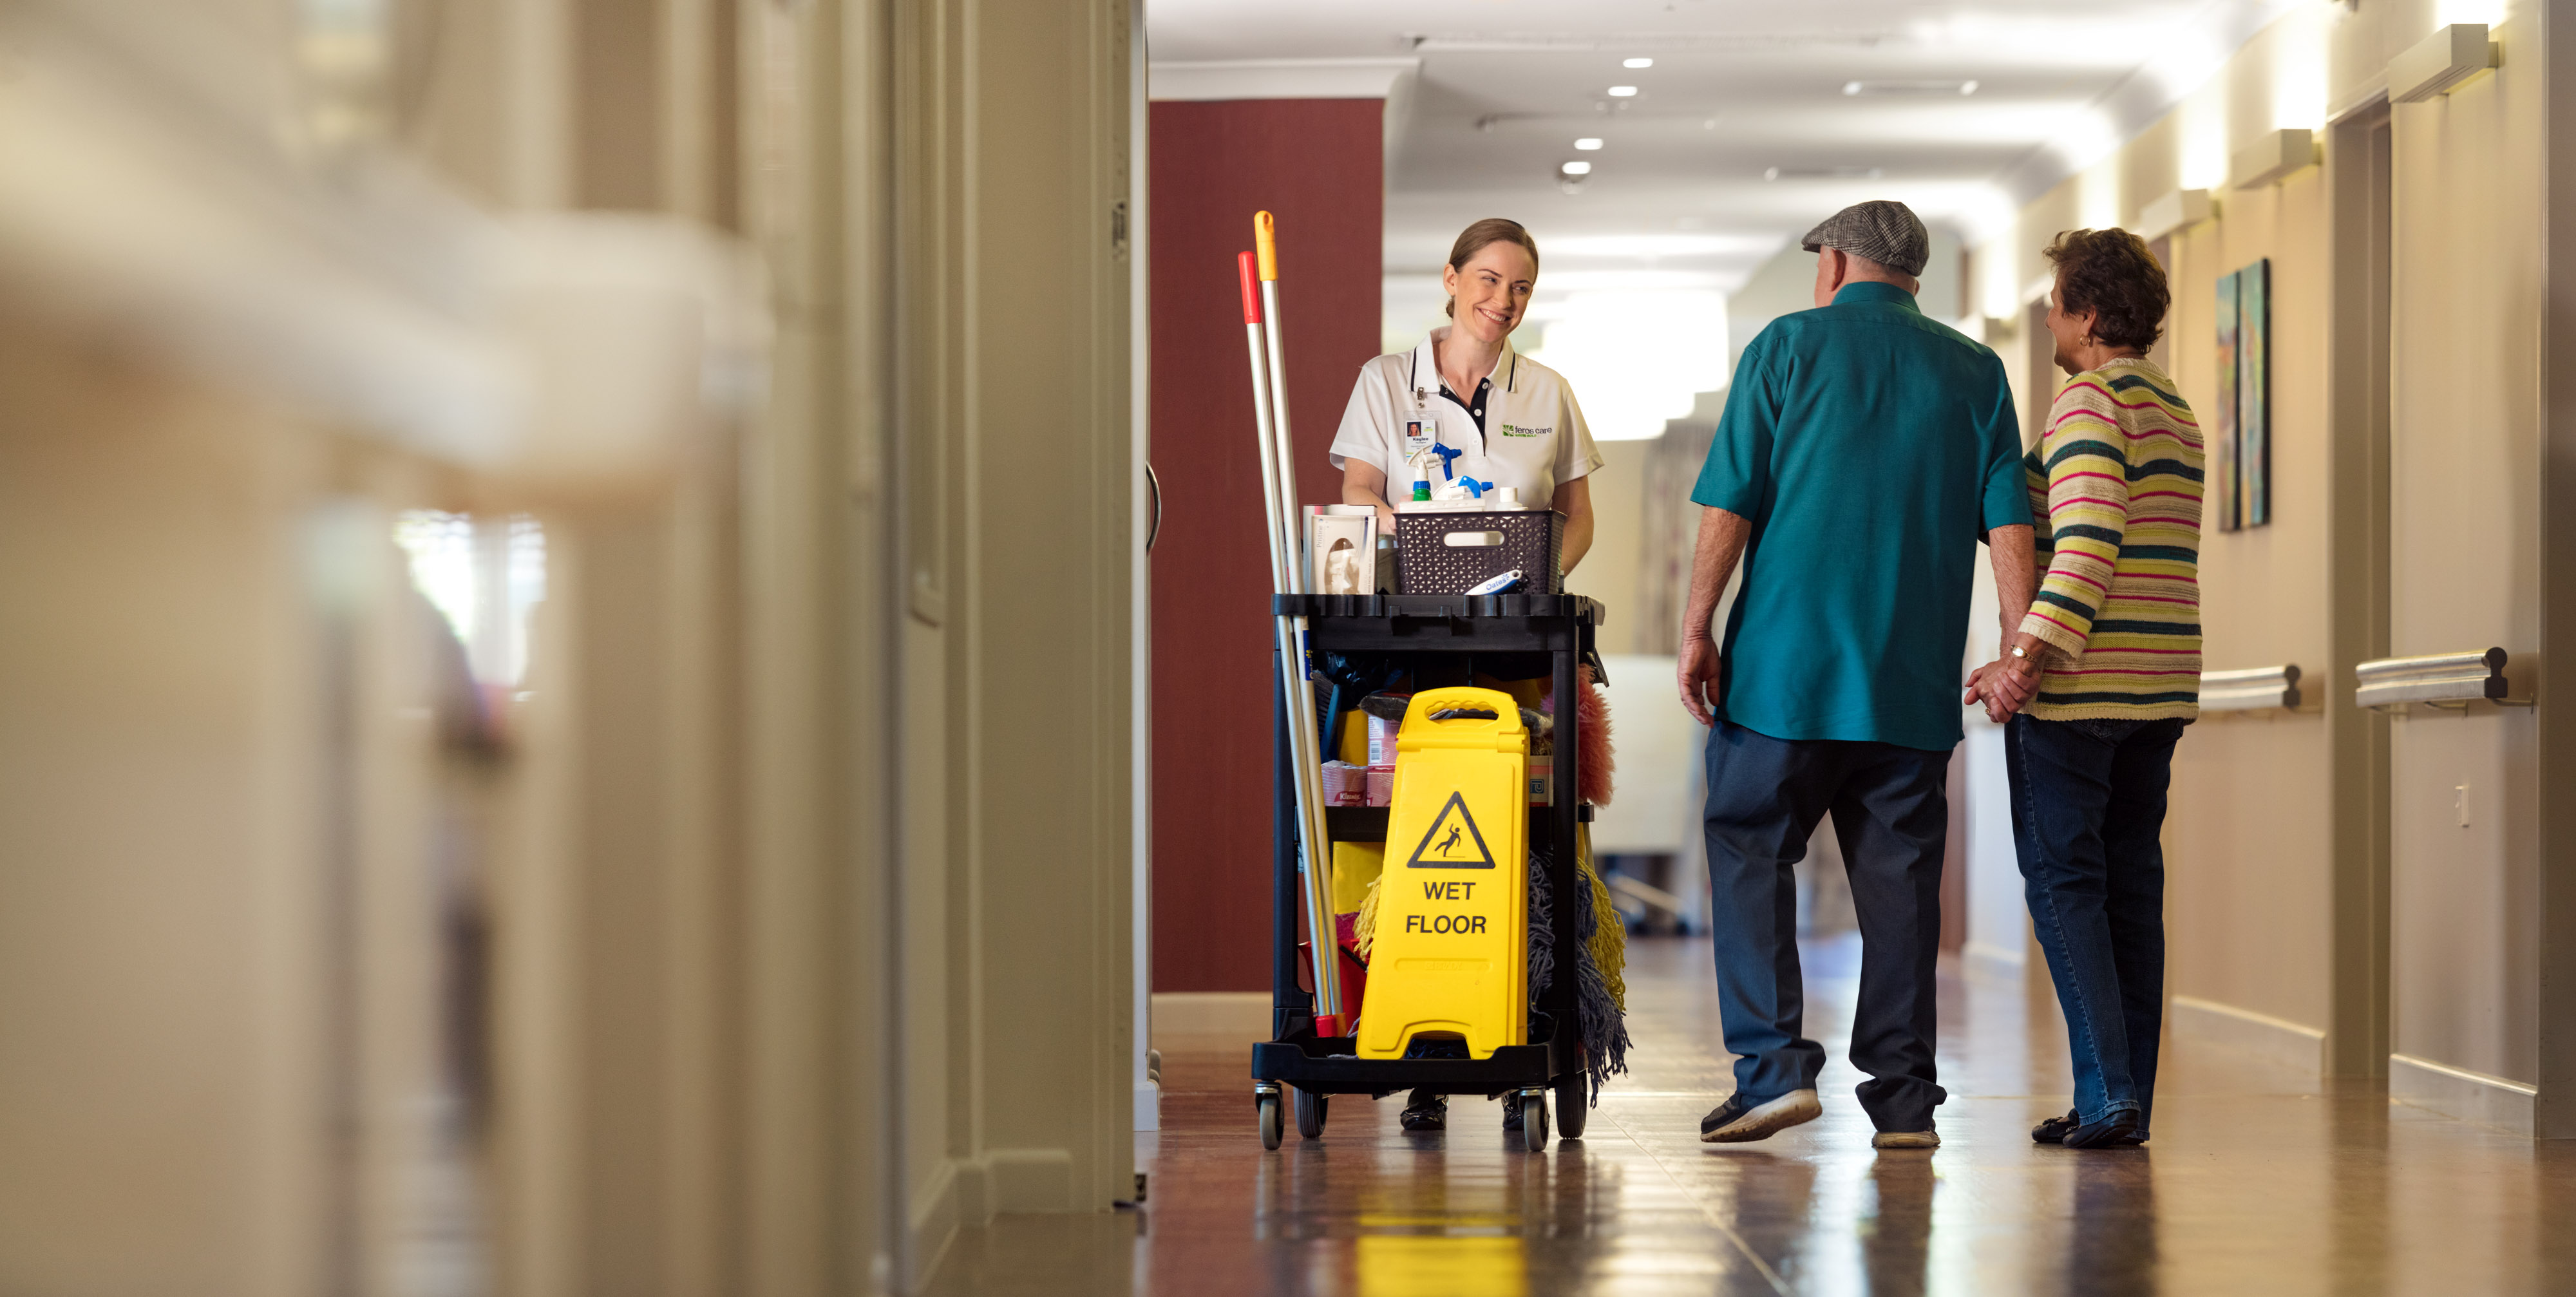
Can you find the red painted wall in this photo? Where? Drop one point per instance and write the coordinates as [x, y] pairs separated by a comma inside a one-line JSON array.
[[1316, 165]]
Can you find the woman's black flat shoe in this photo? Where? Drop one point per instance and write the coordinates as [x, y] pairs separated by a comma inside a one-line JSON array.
[[2056, 1129], [2119, 1130]]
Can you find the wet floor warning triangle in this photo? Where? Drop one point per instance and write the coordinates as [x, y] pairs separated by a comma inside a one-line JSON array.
[[1454, 841]]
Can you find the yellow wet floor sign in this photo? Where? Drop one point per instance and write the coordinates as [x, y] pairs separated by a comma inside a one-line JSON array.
[[1451, 957]]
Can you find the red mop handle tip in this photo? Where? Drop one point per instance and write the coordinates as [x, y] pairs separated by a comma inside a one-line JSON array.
[[1251, 287]]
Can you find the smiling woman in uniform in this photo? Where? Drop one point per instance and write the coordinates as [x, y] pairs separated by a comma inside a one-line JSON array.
[[1508, 420]]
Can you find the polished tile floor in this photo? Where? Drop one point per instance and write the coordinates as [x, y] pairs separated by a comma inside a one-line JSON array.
[[2257, 1182]]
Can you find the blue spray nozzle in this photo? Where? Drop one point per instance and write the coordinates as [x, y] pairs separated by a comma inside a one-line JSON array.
[[1448, 460]]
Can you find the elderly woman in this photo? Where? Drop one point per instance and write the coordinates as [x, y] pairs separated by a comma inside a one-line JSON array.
[[2104, 672]]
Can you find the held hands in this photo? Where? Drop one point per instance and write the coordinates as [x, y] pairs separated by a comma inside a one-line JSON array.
[[2005, 686], [1696, 674]]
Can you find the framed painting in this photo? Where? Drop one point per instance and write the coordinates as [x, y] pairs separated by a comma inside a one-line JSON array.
[[2221, 441], [2254, 394]]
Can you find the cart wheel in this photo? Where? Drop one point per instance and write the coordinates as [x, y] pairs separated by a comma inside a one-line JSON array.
[[1571, 1111], [1534, 1119], [1310, 1113], [1269, 1106]]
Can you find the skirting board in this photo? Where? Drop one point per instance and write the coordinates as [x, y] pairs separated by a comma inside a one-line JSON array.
[[2274, 1040], [2459, 1092], [1242, 1014]]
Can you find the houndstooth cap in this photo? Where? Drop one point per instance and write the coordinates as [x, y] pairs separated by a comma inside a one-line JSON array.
[[1882, 230]]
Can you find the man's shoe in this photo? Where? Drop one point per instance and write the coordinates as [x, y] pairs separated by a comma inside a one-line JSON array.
[[1925, 1138], [1739, 1120], [1426, 1112], [2115, 1131]]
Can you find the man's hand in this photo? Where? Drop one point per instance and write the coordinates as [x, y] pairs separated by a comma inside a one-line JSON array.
[[2004, 686], [1722, 537], [1980, 691], [1697, 674]]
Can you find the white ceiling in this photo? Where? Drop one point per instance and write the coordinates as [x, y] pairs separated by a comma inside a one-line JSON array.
[[1504, 87], [1678, 200]]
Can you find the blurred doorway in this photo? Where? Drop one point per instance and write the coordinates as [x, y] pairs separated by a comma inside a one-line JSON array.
[[2359, 1030]]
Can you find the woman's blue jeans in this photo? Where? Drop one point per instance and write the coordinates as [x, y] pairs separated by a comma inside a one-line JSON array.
[[2088, 801]]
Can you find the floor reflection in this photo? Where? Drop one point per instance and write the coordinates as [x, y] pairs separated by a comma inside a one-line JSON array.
[[1896, 1234], [2258, 1182], [1440, 1265], [2112, 1249]]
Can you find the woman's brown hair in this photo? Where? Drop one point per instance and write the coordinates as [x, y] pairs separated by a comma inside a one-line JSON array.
[[1481, 235], [2111, 273]]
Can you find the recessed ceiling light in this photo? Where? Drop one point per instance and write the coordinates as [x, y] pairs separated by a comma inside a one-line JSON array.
[[1622, 92], [1637, 63], [1821, 173], [1587, 143], [1576, 168], [1942, 87]]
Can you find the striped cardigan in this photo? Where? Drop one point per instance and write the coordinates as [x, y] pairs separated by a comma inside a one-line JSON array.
[[2115, 488]]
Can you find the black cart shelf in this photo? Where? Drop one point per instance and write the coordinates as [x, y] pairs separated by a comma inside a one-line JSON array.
[[1441, 638]]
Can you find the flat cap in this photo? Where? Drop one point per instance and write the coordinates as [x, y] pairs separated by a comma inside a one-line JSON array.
[[1882, 230]]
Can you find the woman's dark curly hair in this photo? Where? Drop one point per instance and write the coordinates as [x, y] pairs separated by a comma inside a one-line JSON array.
[[2111, 273]]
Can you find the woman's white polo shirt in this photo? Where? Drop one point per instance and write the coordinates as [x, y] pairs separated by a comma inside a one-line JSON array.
[[1534, 436]]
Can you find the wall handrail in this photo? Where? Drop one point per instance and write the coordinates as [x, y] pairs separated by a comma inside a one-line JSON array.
[[2251, 689], [2440, 679]]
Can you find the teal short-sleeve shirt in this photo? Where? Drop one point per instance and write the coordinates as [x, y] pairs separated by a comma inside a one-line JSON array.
[[1870, 448]]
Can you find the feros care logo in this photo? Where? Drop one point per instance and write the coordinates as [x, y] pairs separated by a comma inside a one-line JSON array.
[[1524, 430]]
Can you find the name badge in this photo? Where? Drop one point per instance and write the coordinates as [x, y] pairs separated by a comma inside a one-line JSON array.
[[1420, 429]]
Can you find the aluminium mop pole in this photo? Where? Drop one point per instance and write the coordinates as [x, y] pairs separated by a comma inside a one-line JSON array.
[[1279, 492], [1253, 335]]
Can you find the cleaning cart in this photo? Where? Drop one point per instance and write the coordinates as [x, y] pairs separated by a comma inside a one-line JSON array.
[[1440, 639]]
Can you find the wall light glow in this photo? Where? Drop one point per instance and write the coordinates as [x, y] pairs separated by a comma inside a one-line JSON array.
[[2200, 144], [2097, 198], [2490, 12], [2299, 53]]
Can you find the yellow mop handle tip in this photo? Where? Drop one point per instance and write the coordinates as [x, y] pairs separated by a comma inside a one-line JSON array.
[[1265, 239]]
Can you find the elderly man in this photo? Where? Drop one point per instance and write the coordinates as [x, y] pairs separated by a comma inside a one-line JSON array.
[[1864, 452]]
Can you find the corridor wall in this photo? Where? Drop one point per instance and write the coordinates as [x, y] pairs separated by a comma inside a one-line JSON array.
[[724, 888], [1317, 165], [2282, 939]]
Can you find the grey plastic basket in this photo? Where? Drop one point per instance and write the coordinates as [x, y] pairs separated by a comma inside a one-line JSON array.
[[1452, 553]]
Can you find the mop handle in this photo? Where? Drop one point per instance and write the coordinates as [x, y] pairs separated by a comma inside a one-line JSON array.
[[1265, 239], [1279, 471], [1282, 550]]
